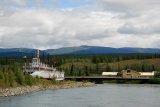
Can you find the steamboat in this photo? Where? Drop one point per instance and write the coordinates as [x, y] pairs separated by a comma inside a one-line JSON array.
[[37, 68]]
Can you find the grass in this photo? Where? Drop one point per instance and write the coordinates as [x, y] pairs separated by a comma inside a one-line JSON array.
[[155, 62], [154, 81], [44, 82], [122, 64]]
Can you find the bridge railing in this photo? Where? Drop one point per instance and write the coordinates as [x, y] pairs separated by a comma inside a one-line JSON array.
[[104, 77]]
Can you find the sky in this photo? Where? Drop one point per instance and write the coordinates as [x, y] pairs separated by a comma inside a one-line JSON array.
[[47, 24]]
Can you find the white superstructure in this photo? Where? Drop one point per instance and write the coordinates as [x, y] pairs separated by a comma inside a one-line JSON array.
[[36, 68]]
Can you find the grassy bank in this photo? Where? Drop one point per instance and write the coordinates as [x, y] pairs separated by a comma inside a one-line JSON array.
[[154, 81]]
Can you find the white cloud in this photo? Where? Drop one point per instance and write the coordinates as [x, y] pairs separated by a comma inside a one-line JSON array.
[[42, 27], [20, 2], [112, 23]]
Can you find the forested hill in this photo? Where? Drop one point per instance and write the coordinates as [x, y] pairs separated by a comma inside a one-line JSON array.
[[100, 50], [82, 50], [13, 52]]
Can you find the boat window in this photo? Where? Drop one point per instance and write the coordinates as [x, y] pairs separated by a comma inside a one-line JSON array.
[[34, 60]]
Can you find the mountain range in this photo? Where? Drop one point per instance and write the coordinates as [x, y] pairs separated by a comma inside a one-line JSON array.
[[76, 51]]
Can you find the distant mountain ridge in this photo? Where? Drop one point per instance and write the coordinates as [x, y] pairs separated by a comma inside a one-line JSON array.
[[101, 50], [65, 50], [13, 52], [76, 50]]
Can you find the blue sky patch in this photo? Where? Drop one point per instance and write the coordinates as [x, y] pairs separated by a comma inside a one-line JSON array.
[[61, 4]]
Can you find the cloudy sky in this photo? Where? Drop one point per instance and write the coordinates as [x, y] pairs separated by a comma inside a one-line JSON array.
[[61, 23]]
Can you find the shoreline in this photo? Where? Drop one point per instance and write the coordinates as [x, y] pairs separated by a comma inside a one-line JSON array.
[[22, 90]]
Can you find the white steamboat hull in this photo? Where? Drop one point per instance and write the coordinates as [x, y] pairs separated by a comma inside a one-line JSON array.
[[48, 74]]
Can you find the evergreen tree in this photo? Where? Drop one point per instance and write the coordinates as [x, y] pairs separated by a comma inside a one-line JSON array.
[[118, 69], [1, 75], [6, 78], [97, 67], [143, 69], [94, 59], [79, 73], [153, 68], [108, 69], [118, 58], [86, 71], [71, 70], [11, 78], [28, 79], [19, 77]]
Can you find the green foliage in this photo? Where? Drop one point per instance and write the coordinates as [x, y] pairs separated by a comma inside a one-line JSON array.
[[108, 68], [71, 70], [153, 68], [119, 74], [154, 81], [28, 79], [1, 75], [11, 75], [54, 81], [79, 73], [20, 77], [95, 59], [11, 78], [86, 71], [6, 78], [157, 74]]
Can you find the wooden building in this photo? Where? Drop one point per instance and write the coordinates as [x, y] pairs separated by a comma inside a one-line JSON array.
[[129, 74]]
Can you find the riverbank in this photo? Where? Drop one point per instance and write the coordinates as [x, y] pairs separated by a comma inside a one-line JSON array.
[[21, 90]]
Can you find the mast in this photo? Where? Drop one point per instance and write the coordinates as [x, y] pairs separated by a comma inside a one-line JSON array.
[[38, 59], [38, 53]]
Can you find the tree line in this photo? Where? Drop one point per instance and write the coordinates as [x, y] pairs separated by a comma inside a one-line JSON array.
[[13, 75], [90, 65]]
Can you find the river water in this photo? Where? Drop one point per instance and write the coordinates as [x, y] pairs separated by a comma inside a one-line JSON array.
[[105, 95]]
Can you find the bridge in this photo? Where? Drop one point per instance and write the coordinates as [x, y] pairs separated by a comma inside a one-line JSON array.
[[100, 79]]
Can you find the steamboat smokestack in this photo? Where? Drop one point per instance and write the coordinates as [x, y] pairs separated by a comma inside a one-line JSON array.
[[37, 53]]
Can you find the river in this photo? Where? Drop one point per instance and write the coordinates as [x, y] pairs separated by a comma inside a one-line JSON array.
[[104, 95]]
